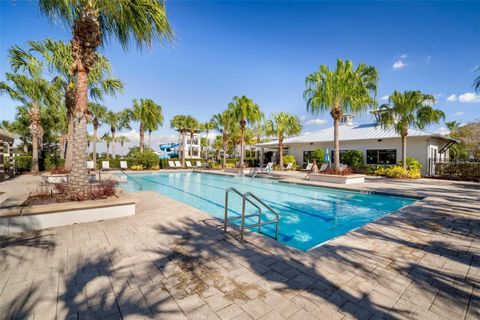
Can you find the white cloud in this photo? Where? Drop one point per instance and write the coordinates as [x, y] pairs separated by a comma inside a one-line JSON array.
[[469, 97], [315, 122], [303, 118], [452, 97], [384, 98], [399, 64], [458, 114], [442, 131], [403, 56]]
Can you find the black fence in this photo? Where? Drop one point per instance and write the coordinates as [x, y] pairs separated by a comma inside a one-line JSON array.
[[465, 170]]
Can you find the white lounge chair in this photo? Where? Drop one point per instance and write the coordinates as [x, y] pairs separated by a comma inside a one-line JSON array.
[[90, 165], [323, 167], [188, 164], [266, 169], [178, 164], [123, 165], [308, 167], [199, 164], [106, 165], [289, 166], [171, 164]]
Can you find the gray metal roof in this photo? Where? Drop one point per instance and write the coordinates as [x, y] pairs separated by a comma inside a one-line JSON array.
[[354, 132]]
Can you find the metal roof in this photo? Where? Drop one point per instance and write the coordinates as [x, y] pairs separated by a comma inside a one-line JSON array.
[[353, 132]]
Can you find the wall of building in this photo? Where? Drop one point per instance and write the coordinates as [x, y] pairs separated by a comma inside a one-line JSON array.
[[417, 147]]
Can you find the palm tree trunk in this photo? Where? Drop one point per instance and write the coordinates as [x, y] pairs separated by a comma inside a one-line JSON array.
[[79, 176], [108, 149], [404, 152], [280, 150], [94, 146], [113, 143], [25, 145], [142, 136], [35, 130], [242, 148], [62, 147], [336, 144]]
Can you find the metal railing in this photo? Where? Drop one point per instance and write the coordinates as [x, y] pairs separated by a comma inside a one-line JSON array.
[[246, 198]]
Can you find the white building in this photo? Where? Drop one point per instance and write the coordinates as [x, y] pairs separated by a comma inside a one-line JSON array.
[[192, 148], [378, 145]]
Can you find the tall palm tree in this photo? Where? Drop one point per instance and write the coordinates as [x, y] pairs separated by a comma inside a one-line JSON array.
[[138, 22], [191, 124], [339, 91], [36, 93], [283, 124], [179, 123], [117, 121], [56, 56], [207, 127], [152, 125], [97, 113], [122, 140], [405, 110], [146, 112], [258, 132], [245, 111], [107, 138], [224, 123]]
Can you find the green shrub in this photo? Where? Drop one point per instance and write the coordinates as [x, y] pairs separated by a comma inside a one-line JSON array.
[[50, 163], [318, 155], [289, 159], [23, 163], [412, 164], [397, 172], [352, 158]]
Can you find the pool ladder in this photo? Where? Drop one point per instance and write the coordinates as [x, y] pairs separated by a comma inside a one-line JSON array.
[[250, 198]]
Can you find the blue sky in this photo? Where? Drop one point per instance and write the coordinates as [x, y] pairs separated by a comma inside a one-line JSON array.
[[265, 49]]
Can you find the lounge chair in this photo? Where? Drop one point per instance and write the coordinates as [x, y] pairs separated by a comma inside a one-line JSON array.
[[123, 165], [178, 165], [171, 164], [266, 169], [199, 165], [188, 164], [90, 165], [323, 167], [309, 167], [289, 166], [106, 165]]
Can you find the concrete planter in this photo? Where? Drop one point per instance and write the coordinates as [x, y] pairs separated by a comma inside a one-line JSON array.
[[350, 179], [37, 217], [63, 177]]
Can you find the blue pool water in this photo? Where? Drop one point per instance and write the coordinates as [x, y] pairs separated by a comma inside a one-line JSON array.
[[308, 215]]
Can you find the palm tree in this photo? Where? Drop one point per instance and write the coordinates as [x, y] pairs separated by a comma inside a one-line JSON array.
[[179, 123], [153, 125], [207, 126], [191, 125], [344, 90], [36, 93], [108, 140], [244, 110], [122, 140], [117, 121], [224, 123], [405, 110], [146, 112], [138, 22], [56, 55], [97, 113], [258, 132], [283, 124]]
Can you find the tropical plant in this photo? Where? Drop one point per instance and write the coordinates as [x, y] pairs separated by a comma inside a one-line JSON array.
[[107, 138], [405, 110], [122, 140], [97, 114], [117, 121], [244, 111], [138, 22], [318, 155], [224, 123], [20, 126], [352, 158], [340, 91], [152, 125], [282, 125], [179, 123], [36, 93], [459, 149], [207, 127], [58, 58], [147, 113]]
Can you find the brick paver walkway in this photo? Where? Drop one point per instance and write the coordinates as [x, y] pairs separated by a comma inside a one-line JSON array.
[[171, 261]]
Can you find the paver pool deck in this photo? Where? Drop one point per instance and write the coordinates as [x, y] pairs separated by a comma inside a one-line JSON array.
[[171, 261]]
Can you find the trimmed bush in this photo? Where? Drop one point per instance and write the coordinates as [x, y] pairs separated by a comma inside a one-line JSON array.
[[397, 172], [23, 163], [412, 164], [289, 159], [352, 158], [53, 162]]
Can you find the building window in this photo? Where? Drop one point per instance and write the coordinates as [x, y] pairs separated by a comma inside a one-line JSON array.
[[382, 156], [307, 156]]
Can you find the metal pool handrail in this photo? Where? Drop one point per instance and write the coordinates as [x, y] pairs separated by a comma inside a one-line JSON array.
[[226, 219]]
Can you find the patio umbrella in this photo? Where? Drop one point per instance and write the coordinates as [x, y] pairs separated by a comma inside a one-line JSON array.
[[326, 157]]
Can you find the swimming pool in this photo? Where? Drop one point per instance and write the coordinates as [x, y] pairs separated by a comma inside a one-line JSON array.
[[308, 215]]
